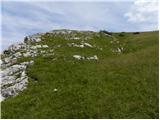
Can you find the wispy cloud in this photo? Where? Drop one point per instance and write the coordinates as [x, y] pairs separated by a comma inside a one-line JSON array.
[[27, 17]]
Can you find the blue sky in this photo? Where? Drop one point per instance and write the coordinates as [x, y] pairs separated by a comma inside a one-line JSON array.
[[25, 17]]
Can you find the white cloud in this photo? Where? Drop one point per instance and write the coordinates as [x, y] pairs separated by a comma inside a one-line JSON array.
[[143, 11]]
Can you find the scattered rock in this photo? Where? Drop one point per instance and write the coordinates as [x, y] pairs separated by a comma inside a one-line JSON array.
[[17, 55], [88, 45], [33, 47], [38, 46], [44, 46], [92, 58], [74, 38], [78, 57], [27, 54], [82, 45]]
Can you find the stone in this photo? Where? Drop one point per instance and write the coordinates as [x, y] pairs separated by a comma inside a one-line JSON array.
[[93, 58], [14, 89], [4, 73], [43, 51], [78, 57], [33, 47], [75, 45], [11, 70], [37, 40], [119, 50], [88, 45], [27, 54], [38, 46], [14, 79], [31, 62], [45, 46], [81, 46], [1, 62], [17, 55], [8, 92], [14, 47], [75, 38], [1, 98], [23, 74], [48, 54], [55, 90], [24, 63]]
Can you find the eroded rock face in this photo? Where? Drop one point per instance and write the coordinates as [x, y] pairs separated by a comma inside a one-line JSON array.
[[13, 75], [14, 79], [13, 90]]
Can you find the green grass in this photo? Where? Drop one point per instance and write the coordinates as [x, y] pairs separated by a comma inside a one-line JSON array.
[[116, 86]]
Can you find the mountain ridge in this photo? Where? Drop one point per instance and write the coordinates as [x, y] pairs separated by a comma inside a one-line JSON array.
[[84, 65]]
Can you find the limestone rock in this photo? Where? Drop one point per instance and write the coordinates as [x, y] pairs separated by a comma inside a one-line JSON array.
[[17, 55], [78, 57], [93, 58], [27, 54], [14, 79], [44, 46]]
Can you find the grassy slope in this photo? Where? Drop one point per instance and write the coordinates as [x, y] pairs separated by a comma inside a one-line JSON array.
[[117, 86]]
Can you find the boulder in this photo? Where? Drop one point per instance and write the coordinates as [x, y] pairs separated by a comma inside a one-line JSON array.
[[78, 57], [17, 55], [33, 47], [74, 38], [37, 39], [92, 58], [88, 45], [27, 54], [38, 46], [44, 46]]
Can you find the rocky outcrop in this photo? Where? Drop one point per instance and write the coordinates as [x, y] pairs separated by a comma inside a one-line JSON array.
[[14, 79], [13, 74]]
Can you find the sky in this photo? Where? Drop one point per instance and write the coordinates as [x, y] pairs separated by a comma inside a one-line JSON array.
[[20, 18]]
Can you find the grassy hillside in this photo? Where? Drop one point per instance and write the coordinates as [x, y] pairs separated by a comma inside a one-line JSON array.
[[120, 84]]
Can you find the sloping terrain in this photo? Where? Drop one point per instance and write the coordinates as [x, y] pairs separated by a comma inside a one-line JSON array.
[[81, 74]]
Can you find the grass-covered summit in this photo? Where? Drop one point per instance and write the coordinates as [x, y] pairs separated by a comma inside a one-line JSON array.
[[85, 74]]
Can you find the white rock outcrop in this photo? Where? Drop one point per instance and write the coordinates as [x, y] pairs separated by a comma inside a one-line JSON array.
[[14, 79]]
